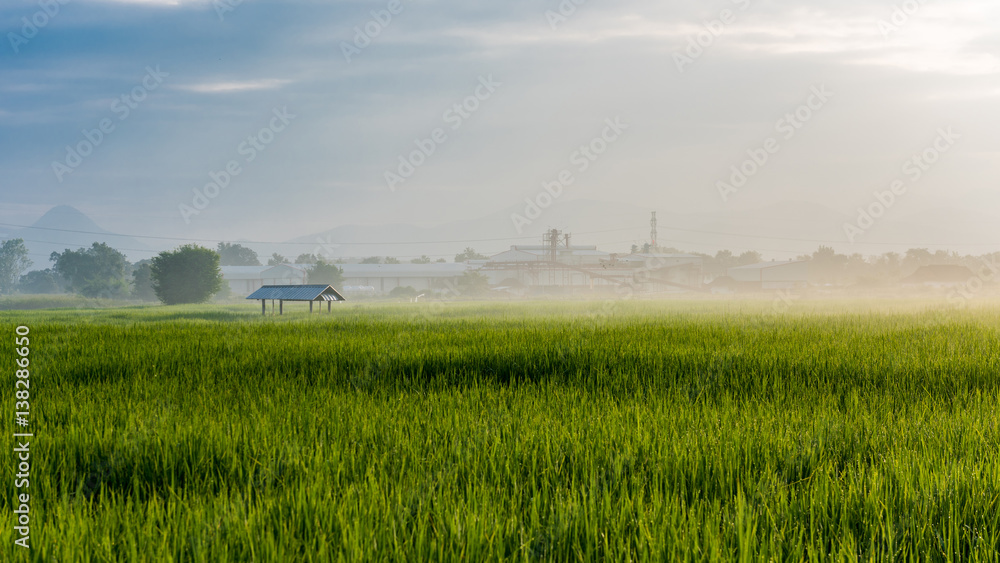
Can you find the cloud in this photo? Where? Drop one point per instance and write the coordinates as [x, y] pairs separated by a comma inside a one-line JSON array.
[[233, 86], [608, 59]]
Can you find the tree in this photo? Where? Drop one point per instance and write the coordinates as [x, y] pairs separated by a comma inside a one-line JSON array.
[[307, 259], [98, 271], [827, 266], [749, 257], [142, 282], [39, 281], [469, 254], [372, 260], [391, 260], [14, 261], [276, 260], [473, 283], [403, 291], [323, 273], [422, 260], [189, 274], [236, 255]]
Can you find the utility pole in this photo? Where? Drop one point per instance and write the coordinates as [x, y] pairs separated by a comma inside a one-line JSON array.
[[652, 233]]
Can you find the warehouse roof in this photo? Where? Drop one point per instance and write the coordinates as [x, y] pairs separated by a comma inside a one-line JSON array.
[[297, 293]]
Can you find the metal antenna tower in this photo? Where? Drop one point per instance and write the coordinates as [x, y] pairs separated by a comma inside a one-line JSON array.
[[652, 232]]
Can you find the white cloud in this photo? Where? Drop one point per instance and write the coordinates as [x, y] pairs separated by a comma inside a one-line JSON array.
[[233, 86]]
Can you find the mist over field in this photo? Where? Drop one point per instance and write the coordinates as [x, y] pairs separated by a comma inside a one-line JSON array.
[[558, 280]]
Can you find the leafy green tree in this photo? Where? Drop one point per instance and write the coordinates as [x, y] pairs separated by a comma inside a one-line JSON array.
[[405, 291], [323, 273], [236, 255], [98, 271], [189, 274], [749, 257], [142, 282], [39, 281], [307, 259], [14, 261], [276, 260], [391, 260], [473, 284], [469, 254], [422, 260], [372, 260]]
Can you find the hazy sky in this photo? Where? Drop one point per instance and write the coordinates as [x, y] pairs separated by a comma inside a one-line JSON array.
[[181, 86]]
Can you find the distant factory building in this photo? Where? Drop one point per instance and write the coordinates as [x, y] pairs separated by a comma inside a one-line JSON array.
[[244, 280], [380, 279], [559, 266]]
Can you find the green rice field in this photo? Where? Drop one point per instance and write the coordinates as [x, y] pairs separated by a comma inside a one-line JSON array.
[[571, 431]]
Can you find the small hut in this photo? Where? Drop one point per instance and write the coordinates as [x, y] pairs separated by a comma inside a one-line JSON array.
[[282, 293]]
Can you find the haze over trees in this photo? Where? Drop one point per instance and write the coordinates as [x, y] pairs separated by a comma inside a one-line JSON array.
[[14, 261], [236, 255], [98, 271], [472, 284], [469, 254], [142, 282], [307, 259], [189, 274], [323, 273], [40, 282]]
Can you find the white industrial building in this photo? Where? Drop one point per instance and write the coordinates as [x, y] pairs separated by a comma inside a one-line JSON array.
[[577, 267], [244, 280], [383, 278]]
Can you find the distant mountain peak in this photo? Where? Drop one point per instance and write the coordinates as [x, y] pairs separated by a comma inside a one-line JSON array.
[[67, 217]]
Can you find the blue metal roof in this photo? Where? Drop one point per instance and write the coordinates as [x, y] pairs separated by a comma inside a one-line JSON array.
[[297, 293]]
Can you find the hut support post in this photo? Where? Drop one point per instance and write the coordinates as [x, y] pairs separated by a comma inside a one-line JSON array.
[[281, 306], [263, 307], [328, 309], [310, 307]]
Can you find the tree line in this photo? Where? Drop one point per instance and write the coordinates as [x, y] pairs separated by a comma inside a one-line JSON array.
[[188, 274]]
